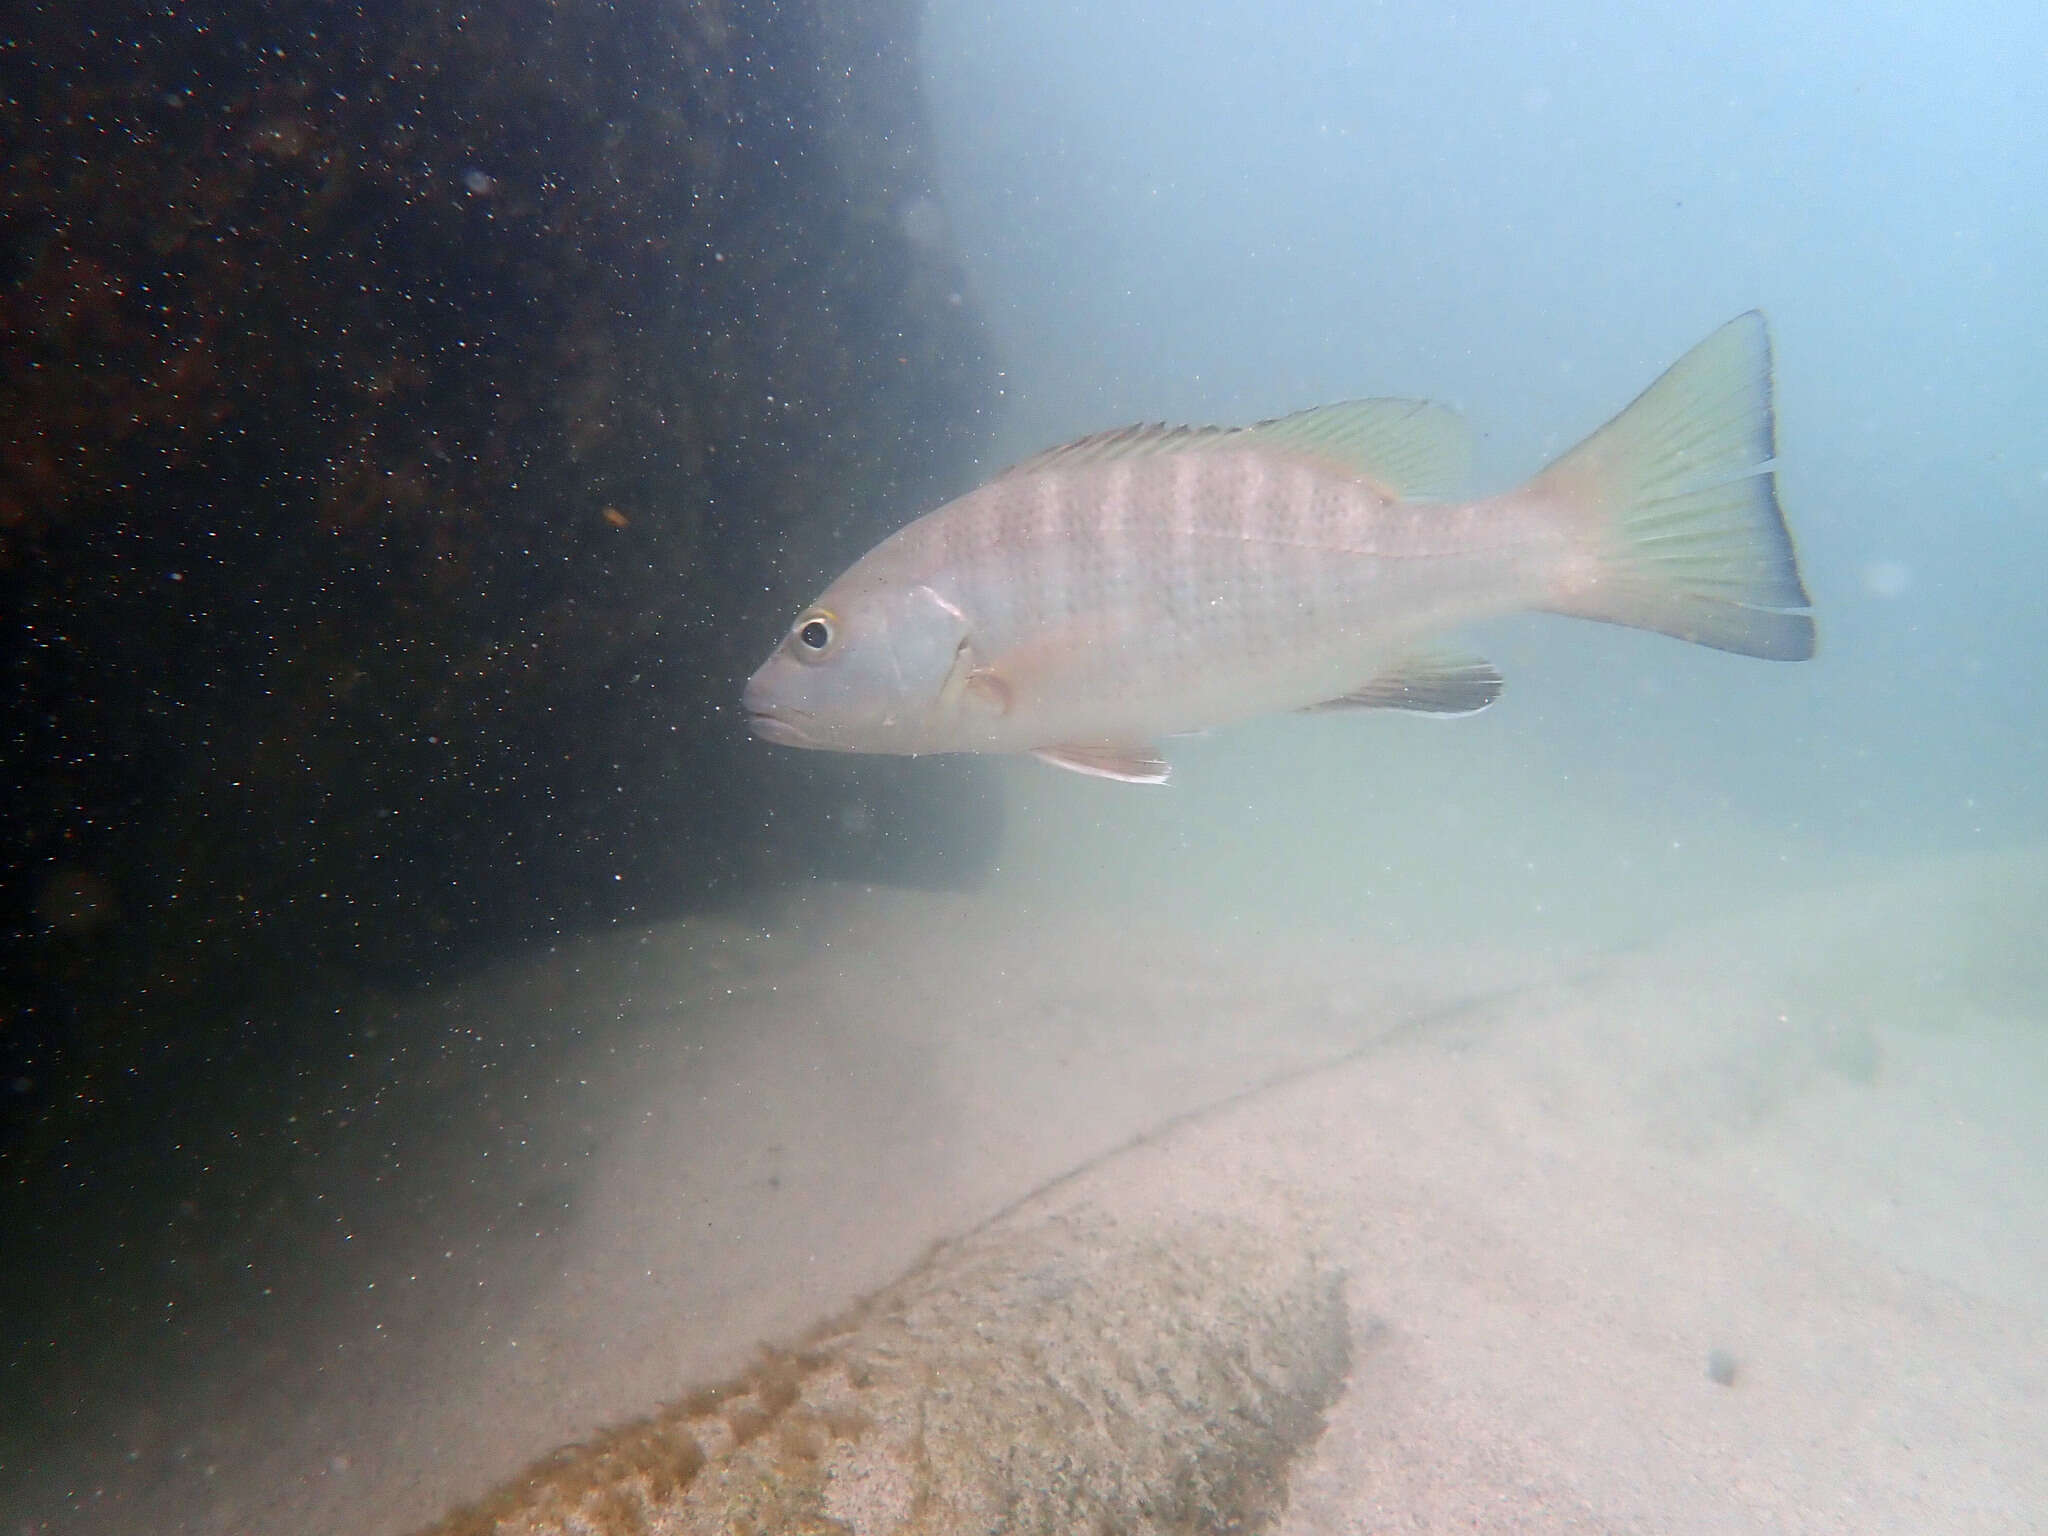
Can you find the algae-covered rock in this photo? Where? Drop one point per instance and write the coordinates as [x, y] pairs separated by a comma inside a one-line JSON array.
[[1069, 1376]]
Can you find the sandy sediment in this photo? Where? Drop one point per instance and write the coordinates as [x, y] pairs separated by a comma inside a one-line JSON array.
[[1743, 1229]]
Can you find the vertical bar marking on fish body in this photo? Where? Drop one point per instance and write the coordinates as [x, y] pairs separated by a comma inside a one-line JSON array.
[[1220, 585]]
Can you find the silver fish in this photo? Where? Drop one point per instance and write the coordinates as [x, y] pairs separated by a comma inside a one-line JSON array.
[[1152, 581]]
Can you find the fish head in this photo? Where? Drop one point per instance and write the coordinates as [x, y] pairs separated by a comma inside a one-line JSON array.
[[866, 668]]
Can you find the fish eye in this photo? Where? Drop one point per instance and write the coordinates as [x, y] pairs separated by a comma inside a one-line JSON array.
[[814, 634]]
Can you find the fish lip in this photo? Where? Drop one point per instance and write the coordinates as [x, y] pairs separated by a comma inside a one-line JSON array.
[[774, 723]]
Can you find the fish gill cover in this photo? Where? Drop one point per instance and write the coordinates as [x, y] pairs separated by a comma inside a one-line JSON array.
[[407, 409]]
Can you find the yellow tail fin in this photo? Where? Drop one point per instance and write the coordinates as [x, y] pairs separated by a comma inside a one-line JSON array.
[[1678, 508]]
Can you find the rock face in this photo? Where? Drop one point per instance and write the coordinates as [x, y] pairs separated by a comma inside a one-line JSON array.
[[1066, 1376], [414, 422]]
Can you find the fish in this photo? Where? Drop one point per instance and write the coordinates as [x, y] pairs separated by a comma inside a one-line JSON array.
[[1157, 581]]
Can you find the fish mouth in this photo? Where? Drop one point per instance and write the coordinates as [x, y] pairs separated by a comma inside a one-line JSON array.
[[779, 724]]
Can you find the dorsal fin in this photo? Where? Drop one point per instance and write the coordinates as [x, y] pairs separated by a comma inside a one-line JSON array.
[[1412, 447], [1119, 443], [1407, 447]]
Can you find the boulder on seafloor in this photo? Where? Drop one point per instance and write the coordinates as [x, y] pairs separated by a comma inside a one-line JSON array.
[[1071, 1375]]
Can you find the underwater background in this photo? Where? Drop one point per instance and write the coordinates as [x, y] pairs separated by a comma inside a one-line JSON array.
[[1527, 213], [433, 1031]]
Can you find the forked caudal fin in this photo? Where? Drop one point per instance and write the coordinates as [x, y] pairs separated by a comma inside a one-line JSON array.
[[1676, 506]]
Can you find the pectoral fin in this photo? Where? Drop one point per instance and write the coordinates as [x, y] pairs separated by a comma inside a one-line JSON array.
[[1406, 447], [1127, 762], [972, 686], [1428, 683], [987, 692]]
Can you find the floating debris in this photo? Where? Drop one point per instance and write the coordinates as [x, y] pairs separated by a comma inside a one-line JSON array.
[[1069, 1376]]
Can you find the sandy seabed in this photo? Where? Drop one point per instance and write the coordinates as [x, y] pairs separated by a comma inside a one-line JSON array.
[[1742, 1229]]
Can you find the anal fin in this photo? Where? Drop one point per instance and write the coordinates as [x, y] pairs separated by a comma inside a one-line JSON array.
[[1427, 683], [1126, 762]]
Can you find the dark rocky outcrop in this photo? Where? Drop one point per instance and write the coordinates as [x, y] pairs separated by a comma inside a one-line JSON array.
[[417, 419]]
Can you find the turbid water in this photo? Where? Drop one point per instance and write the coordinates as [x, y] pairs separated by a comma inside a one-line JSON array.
[[1658, 1056]]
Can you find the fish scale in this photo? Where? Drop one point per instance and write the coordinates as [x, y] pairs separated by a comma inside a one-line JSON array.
[[1253, 557]]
